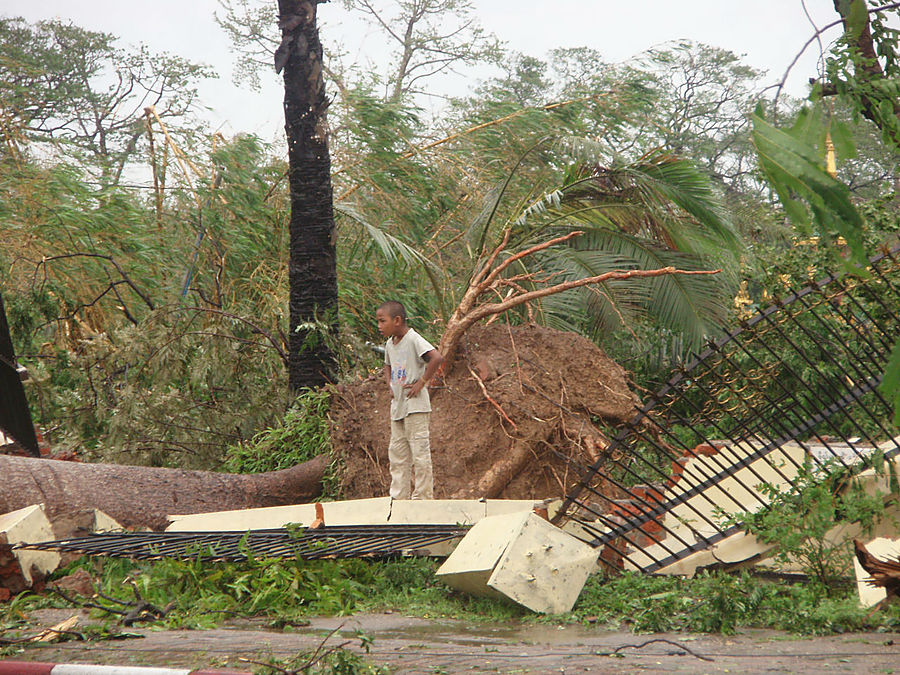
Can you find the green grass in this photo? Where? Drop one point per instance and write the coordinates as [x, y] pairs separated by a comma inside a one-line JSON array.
[[284, 591]]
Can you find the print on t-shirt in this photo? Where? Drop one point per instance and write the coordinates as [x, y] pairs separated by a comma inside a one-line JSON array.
[[398, 374]]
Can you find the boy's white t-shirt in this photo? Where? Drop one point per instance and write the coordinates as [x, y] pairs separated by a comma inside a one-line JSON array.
[[407, 366]]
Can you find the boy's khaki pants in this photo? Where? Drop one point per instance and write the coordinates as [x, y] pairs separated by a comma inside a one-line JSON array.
[[411, 448]]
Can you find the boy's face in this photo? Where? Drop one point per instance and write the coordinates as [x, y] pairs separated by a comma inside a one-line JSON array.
[[387, 325]]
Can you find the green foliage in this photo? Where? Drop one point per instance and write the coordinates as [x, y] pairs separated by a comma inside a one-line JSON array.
[[862, 70], [869, 85], [284, 591], [657, 212], [302, 434], [204, 594], [890, 386], [723, 603], [795, 170], [800, 520], [151, 338]]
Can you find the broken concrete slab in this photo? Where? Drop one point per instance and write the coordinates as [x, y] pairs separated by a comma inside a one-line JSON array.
[[741, 549], [21, 569], [524, 558], [697, 515], [374, 511]]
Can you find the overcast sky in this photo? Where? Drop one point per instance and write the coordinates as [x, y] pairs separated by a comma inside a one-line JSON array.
[[768, 32]]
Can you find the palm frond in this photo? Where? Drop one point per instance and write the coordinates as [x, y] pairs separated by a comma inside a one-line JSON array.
[[389, 246], [679, 181], [695, 307], [662, 198], [601, 307], [583, 150]]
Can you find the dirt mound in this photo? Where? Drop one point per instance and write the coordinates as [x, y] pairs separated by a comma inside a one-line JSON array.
[[508, 435]]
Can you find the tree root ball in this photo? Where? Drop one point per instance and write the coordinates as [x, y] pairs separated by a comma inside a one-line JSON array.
[[524, 435]]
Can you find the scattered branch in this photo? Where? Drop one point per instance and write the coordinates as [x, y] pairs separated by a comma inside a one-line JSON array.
[[615, 652], [130, 612], [316, 657]]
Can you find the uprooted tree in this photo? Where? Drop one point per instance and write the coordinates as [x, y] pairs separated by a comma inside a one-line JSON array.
[[139, 496], [517, 409]]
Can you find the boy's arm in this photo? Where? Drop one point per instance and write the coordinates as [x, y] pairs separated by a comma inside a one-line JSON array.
[[387, 374], [433, 360]]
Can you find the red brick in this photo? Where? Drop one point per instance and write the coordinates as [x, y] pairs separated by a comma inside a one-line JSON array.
[[678, 468], [647, 493], [639, 539], [706, 449], [612, 558], [652, 526], [626, 507], [10, 569]]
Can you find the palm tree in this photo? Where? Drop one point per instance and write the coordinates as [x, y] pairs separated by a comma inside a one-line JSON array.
[[313, 268], [658, 211]]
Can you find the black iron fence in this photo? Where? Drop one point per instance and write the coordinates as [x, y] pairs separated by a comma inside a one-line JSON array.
[[361, 541], [795, 383]]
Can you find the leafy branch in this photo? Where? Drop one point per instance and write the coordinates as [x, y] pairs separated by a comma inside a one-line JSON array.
[[489, 280]]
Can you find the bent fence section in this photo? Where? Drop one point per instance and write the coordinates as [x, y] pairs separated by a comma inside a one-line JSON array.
[[796, 385]]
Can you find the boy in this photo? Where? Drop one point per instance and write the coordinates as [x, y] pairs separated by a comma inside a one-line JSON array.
[[409, 363]]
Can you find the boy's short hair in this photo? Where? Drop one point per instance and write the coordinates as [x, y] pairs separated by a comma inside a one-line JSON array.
[[394, 308]]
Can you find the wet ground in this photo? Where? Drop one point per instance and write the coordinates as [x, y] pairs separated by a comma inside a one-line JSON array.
[[414, 645]]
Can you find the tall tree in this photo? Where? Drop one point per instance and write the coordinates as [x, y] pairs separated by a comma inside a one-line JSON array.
[[863, 66], [429, 37], [77, 90], [313, 260]]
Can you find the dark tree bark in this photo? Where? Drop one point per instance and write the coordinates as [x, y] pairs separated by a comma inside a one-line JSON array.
[[313, 268], [141, 496], [15, 416]]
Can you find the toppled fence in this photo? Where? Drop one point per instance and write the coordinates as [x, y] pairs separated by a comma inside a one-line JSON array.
[[362, 541], [795, 383]]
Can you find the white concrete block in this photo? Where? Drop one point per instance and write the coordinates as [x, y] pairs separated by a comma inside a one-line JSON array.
[[105, 523], [29, 525], [524, 558]]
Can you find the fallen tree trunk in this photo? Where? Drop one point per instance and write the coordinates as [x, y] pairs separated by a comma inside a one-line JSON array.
[[141, 496]]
